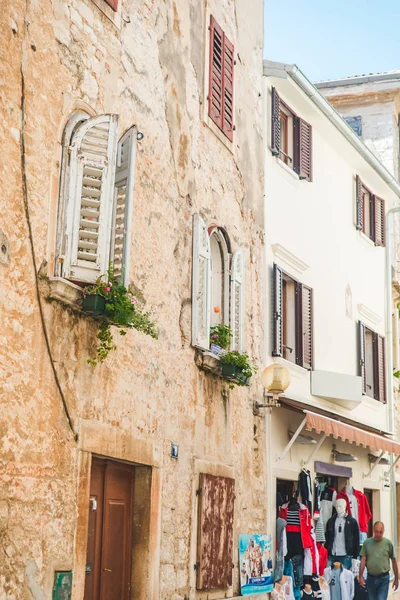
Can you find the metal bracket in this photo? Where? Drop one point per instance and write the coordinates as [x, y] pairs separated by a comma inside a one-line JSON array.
[[294, 438], [387, 473], [366, 475], [315, 450]]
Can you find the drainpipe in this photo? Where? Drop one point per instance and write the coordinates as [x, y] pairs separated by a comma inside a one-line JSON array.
[[389, 359]]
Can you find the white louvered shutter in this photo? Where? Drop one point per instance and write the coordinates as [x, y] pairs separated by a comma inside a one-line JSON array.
[[123, 206], [237, 300], [90, 198], [201, 285]]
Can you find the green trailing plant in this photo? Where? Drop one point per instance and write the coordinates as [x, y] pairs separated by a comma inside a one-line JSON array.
[[121, 309], [245, 368], [396, 374], [221, 335]]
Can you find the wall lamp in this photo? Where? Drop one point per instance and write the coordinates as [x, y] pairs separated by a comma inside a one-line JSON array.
[[275, 379]]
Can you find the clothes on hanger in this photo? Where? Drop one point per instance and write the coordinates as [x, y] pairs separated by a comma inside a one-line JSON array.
[[357, 506], [284, 590], [341, 583], [298, 528], [327, 501], [311, 557], [288, 570], [305, 488], [319, 529], [350, 533], [323, 558], [281, 548], [317, 500], [325, 591], [316, 588]]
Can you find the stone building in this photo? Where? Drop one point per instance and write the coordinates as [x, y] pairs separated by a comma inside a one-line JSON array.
[[110, 108]]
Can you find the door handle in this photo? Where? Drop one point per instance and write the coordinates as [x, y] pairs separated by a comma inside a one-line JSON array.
[[108, 570]]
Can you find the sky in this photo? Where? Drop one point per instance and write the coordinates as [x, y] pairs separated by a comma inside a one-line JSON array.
[[328, 40]]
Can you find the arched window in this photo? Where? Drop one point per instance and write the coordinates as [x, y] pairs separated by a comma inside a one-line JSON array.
[[96, 193], [218, 286]]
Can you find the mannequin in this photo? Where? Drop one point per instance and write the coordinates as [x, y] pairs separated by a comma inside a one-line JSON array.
[[342, 536], [340, 582]]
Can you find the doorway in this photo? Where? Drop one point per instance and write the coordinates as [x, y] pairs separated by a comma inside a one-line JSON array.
[[109, 547], [369, 494]]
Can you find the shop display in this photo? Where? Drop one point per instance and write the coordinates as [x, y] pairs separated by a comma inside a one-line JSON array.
[[283, 590], [327, 501], [357, 507], [305, 488], [342, 536], [281, 548]]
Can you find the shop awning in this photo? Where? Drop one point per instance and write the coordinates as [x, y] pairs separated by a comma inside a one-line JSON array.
[[348, 433]]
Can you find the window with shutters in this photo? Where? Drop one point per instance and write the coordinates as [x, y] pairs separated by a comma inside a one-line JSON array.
[[216, 498], [370, 213], [291, 137], [217, 285], [95, 202], [372, 363], [221, 80], [292, 319]]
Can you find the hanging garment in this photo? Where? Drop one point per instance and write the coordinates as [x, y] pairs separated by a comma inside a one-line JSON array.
[[317, 500], [323, 558], [341, 583], [288, 570], [311, 558], [316, 588], [319, 529], [281, 548], [339, 544], [298, 570], [304, 485], [328, 503], [357, 506], [305, 523], [351, 536], [360, 591], [283, 591], [325, 591]]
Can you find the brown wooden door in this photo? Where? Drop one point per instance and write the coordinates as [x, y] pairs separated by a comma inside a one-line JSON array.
[[109, 550]]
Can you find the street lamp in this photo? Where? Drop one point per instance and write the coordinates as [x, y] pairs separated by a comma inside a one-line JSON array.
[[276, 380]]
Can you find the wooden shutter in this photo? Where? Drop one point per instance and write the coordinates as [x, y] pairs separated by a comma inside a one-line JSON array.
[[113, 4], [123, 206], [379, 367], [277, 349], [90, 198], [379, 220], [361, 355], [215, 532], [359, 204], [237, 300], [221, 80], [228, 71], [215, 90], [201, 285], [306, 327], [305, 150], [275, 123]]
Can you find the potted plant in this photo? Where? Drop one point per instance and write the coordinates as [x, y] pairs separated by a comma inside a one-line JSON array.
[[220, 338], [113, 304], [237, 368]]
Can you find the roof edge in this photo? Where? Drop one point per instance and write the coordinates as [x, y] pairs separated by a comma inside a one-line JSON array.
[[357, 80], [282, 70]]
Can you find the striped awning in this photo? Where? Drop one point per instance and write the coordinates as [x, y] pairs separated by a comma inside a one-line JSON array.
[[351, 434]]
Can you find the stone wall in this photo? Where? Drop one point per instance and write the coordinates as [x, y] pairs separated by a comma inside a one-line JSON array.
[[149, 68]]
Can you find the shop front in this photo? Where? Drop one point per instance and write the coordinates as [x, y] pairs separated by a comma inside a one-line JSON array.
[[329, 482]]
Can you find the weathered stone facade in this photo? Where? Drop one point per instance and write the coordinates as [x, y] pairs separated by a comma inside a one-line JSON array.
[[148, 67]]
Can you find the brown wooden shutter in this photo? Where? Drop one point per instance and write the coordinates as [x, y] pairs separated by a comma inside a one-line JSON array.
[[361, 355], [215, 89], [305, 150], [379, 220], [359, 204], [228, 69], [277, 349], [215, 532], [275, 123], [306, 327], [113, 4], [379, 368]]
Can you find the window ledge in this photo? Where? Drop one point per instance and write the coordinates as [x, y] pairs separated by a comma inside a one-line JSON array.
[[365, 239], [286, 168], [207, 361], [295, 370], [65, 291]]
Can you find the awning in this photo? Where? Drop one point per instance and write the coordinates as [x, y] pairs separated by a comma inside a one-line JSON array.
[[348, 433]]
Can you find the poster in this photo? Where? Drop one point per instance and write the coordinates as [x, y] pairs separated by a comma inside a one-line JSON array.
[[255, 558]]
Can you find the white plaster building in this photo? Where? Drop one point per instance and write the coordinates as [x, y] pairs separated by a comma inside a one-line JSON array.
[[326, 302]]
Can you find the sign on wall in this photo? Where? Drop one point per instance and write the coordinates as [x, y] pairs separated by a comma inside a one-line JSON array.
[[255, 560], [62, 588]]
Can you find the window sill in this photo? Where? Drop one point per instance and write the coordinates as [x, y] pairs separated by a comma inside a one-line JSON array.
[[366, 240], [64, 291], [295, 370], [207, 361], [287, 169]]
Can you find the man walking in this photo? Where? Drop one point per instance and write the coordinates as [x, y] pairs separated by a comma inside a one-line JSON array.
[[376, 554]]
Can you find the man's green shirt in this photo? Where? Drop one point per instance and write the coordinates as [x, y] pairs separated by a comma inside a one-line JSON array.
[[378, 555]]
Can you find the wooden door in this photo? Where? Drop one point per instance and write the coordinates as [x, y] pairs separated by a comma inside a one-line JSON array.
[[109, 550], [369, 494]]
